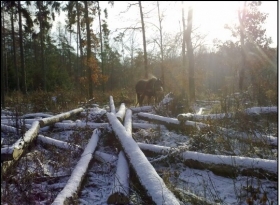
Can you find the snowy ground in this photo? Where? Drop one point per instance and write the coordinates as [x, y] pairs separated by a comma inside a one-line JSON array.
[[49, 169]]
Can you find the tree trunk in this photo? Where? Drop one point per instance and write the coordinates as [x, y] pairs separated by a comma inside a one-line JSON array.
[[241, 18], [2, 61], [154, 186], [51, 120], [42, 48], [14, 50], [23, 77], [161, 46], [190, 56], [120, 192], [101, 46], [69, 193], [20, 147], [184, 67], [228, 166], [121, 112], [80, 68], [144, 42], [89, 73]]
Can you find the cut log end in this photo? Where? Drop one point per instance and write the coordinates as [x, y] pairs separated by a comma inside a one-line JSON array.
[[118, 198], [17, 153]]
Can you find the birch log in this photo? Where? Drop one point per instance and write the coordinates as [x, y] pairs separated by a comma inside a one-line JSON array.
[[128, 121], [51, 120], [149, 179], [120, 191], [228, 166], [58, 143], [173, 122], [169, 122], [70, 191], [121, 112], [112, 105], [21, 146]]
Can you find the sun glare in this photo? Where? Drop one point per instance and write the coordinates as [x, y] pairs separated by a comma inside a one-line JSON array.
[[210, 17]]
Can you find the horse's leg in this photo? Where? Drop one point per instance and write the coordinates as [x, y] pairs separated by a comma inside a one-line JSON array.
[[149, 99], [137, 99], [141, 98]]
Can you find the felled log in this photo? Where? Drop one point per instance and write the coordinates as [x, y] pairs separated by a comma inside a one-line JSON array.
[[169, 122], [121, 112], [151, 182], [58, 143], [112, 105], [229, 166], [7, 128], [147, 108], [128, 121], [70, 192], [21, 146], [189, 116], [120, 191], [174, 123], [34, 115], [79, 124], [104, 157], [51, 120]]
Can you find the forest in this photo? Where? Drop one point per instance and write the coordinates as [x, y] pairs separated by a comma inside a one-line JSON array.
[[34, 61]]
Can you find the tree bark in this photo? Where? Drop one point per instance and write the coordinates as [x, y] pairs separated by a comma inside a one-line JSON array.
[[153, 185], [70, 192], [14, 50], [241, 18], [161, 46], [101, 46], [112, 105], [23, 77], [51, 120], [144, 41], [228, 166], [121, 112], [190, 56], [120, 191], [3, 91], [89, 73], [21, 146]]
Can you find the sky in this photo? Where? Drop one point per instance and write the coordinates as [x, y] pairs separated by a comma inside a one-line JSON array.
[[209, 18]]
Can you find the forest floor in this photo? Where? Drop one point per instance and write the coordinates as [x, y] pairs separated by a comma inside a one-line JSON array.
[[42, 173]]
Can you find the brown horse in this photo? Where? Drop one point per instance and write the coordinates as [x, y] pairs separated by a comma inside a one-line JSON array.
[[148, 87]]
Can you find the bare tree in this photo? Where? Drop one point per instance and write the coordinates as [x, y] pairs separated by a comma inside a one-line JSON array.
[[241, 18], [190, 55], [161, 46], [183, 51], [144, 42]]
